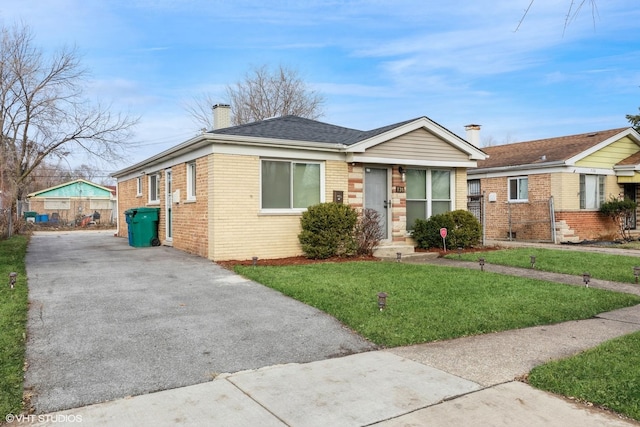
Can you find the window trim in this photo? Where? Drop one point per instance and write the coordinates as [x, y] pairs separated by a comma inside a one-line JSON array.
[[191, 181], [291, 162], [518, 179], [429, 192], [600, 186], [156, 177]]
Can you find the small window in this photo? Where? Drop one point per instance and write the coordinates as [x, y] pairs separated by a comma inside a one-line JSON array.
[[519, 189], [290, 185], [154, 188], [139, 186], [591, 191], [191, 181]]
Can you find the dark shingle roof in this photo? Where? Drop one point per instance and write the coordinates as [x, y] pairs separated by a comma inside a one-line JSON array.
[[543, 150], [300, 129]]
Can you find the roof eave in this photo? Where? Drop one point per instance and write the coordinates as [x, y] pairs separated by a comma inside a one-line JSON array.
[[478, 171]]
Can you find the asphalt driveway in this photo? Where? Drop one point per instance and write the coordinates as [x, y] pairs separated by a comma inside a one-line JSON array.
[[107, 321]]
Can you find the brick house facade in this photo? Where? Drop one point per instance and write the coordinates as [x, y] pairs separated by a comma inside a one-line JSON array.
[[551, 189], [235, 212]]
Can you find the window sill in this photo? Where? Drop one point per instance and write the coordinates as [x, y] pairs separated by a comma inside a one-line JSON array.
[[188, 201], [283, 212], [138, 195], [154, 203], [518, 201]]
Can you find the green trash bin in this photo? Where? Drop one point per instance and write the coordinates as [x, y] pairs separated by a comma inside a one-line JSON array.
[[31, 216], [143, 226]]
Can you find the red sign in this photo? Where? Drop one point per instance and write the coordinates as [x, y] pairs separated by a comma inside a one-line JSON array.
[[443, 232]]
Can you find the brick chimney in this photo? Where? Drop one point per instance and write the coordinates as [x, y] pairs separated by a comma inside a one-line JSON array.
[[473, 134], [221, 116]]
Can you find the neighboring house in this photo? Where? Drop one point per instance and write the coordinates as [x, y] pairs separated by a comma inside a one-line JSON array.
[[552, 189], [68, 202], [239, 192]]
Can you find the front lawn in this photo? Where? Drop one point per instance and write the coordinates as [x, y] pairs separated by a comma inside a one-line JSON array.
[[428, 303], [618, 268], [13, 321], [608, 375]]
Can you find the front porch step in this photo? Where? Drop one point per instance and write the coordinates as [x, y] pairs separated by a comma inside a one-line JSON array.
[[391, 251]]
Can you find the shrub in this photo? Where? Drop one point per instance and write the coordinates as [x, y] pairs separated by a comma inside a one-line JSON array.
[[620, 211], [426, 232], [368, 232], [327, 230], [463, 230]]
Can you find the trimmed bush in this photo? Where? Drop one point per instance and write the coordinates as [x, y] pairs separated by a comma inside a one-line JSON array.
[[463, 230], [327, 230]]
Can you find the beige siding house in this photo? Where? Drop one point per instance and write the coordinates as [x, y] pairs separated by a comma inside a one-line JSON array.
[[552, 189], [239, 192]]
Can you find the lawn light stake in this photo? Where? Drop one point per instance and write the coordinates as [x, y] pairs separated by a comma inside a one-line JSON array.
[[636, 273], [254, 260], [12, 279], [533, 261], [586, 278], [398, 256], [382, 300], [481, 262], [459, 252]]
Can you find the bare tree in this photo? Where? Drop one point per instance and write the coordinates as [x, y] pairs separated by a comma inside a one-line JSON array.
[[262, 93], [575, 6], [44, 113]]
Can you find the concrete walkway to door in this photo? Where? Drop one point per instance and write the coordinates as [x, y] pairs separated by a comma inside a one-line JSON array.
[[107, 320]]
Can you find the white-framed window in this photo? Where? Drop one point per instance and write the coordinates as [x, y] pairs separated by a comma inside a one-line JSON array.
[[519, 189], [591, 191], [57, 204], [290, 185], [139, 186], [429, 192], [191, 181], [154, 188]]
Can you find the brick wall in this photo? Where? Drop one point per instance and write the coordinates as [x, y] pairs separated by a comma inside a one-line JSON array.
[[190, 217], [128, 199], [529, 220], [589, 225]]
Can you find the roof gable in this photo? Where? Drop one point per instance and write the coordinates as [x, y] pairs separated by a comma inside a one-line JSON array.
[[552, 151], [77, 188]]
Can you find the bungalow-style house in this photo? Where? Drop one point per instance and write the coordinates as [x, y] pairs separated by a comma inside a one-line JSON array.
[[73, 200], [552, 189], [238, 192]]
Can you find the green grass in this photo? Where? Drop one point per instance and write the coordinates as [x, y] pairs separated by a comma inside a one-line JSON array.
[[618, 268], [13, 321], [608, 375], [428, 303]]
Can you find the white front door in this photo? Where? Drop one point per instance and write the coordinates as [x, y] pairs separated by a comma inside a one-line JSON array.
[[376, 195]]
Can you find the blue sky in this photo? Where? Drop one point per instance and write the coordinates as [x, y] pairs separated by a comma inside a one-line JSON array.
[[377, 62]]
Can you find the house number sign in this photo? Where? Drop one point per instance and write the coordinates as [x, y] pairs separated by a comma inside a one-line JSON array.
[[399, 189]]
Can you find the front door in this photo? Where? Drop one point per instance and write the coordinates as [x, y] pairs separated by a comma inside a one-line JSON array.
[[376, 195], [169, 203]]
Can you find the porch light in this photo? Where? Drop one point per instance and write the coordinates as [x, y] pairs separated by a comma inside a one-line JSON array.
[[402, 171], [533, 261], [382, 300], [12, 279], [586, 278], [254, 261], [636, 273], [481, 262], [398, 256]]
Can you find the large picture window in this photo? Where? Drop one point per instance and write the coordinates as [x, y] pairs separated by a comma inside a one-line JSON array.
[[519, 189], [290, 184], [428, 193], [591, 191]]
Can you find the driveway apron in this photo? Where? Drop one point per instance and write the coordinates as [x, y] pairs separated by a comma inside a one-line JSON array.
[[107, 320]]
